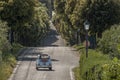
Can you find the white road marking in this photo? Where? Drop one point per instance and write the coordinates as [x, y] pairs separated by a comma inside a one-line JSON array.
[[14, 71], [71, 73]]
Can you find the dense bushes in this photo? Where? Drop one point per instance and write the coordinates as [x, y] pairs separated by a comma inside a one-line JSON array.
[[107, 71], [6, 66], [4, 44], [110, 41], [97, 66], [7, 60], [88, 65], [111, 71]]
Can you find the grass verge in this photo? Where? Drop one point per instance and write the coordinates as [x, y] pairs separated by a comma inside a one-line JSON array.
[[77, 73], [7, 65], [86, 64]]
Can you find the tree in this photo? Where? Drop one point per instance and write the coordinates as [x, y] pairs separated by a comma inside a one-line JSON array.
[[32, 32], [4, 44], [18, 12], [62, 20], [25, 17], [73, 13], [101, 14], [110, 40]]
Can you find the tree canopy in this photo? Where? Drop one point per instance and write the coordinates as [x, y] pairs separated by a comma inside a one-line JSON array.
[[28, 19], [71, 14]]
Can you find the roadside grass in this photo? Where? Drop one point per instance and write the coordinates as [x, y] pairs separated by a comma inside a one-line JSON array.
[[7, 65], [76, 73], [94, 58]]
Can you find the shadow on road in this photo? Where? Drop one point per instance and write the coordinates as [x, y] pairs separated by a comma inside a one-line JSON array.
[[31, 55], [45, 69], [55, 60], [33, 59], [50, 39]]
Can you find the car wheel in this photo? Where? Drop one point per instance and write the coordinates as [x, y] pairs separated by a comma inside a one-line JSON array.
[[36, 68], [50, 68]]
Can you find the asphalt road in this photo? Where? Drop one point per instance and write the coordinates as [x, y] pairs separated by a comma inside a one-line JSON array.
[[63, 60]]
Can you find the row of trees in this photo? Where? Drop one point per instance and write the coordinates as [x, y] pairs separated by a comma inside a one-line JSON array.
[[27, 20], [21, 22], [71, 14], [104, 18]]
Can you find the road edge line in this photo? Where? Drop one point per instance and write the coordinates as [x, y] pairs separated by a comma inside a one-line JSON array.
[[17, 64], [72, 74]]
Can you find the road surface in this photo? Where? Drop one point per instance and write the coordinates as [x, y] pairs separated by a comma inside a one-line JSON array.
[[63, 60]]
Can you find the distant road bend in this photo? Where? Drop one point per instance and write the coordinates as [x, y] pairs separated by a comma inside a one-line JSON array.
[[63, 60]]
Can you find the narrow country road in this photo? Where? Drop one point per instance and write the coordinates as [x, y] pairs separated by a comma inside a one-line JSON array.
[[63, 60]]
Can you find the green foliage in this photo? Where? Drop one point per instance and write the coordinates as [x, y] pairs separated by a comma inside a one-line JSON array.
[[100, 13], [71, 14], [77, 73], [4, 44], [111, 71], [110, 41], [62, 21], [95, 59], [16, 47], [7, 60], [3, 34], [17, 13], [32, 32], [59, 6], [5, 71], [6, 67], [28, 20], [97, 66]]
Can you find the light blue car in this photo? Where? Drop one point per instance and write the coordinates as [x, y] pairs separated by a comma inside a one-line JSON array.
[[43, 61]]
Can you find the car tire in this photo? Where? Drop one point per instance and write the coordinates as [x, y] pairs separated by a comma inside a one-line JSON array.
[[37, 68], [50, 68]]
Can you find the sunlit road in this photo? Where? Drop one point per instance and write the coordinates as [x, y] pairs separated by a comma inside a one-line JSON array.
[[63, 60]]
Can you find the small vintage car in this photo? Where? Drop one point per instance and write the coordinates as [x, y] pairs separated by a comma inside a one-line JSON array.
[[43, 61]]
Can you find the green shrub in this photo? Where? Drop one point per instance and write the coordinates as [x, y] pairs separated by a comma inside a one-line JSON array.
[[77, 73], [94, 58], [92, 64], [9, 62], [108, 44], [111, 71], [97, 66], [5, 71], [16, 47], [107, 71]]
